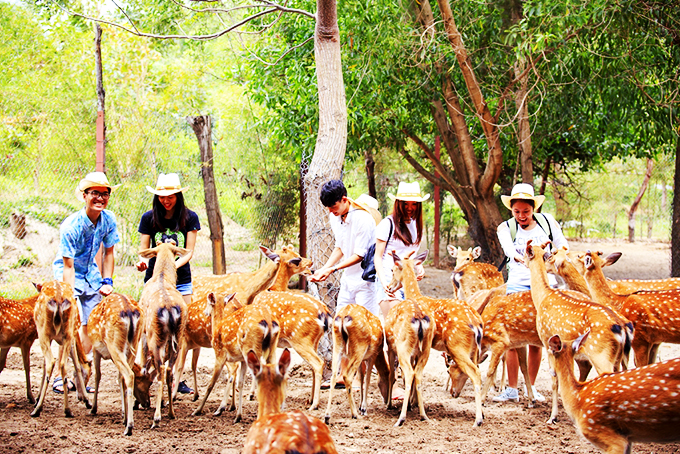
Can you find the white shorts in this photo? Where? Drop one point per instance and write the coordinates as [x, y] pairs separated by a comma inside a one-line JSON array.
[[362, 293]]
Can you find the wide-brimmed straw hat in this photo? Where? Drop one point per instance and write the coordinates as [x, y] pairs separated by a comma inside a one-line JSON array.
[[93, 180], [409, 192], [167, 184], [523, 191]]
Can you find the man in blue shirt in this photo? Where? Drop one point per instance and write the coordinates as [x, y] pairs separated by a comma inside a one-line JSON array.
[[81, 234]]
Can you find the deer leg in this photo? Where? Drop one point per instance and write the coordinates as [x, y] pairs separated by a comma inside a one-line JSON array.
[[219, 364], [127, 384], [48, 366], [407, 372], [161, 378], [390, 382], [26, 356], [195, 353], [78, 375], [62, 367], [96, 362], [353, 364], [417, 379], [524, 367], [641, 349], [470, 369], [241, 380], [555, 384], [308, 353], [497, 354], [365, 376], [653, 351], [181, 360], [335, 365]]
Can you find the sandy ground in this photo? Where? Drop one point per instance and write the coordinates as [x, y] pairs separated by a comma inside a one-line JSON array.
[[507, 428]]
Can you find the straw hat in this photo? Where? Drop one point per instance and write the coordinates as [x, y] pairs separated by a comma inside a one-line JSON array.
[[93, 180], [523, 191], [370, 204], [409, 192], [167, 184]]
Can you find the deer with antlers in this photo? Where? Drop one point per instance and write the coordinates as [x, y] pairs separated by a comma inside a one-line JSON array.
[[164, 321], [358, 337], [17, 329], [458, 328], [238, 329], [614, 410], [115, 328], [284, 264], [57, 319], [655, 314], [559, 313], [469, 276], [275, 432]]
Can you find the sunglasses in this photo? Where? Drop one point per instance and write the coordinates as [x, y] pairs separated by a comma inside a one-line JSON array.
[[98, 195]]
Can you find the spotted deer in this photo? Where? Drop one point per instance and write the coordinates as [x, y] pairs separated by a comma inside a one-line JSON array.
[[302, 319], [17, 329], [284, 264], [57, 319], [655, 314], [457, 328], [276, 432], [115, 328], [358, 338], [409, 331], [238, 329], [614, 410], [559, 313], [165, 318], [469, 276]]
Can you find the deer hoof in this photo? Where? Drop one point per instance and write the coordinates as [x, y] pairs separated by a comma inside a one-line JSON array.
[[93, 411], [237, 419], [195, 398], [399, 423], [128, 430], [219, 411], [35, 413], [327, 420], [68, 413]]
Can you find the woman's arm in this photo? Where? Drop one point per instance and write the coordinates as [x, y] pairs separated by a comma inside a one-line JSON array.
[[504, 237], [380, 246], [191, 243]]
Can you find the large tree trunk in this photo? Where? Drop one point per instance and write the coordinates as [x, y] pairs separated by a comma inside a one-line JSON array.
[[675, 229], [202, 127], [636, 202], [523, 127], [331, 141]]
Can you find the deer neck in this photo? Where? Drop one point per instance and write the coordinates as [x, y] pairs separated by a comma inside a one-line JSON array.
[[165, 266], [568, 385], [281, 279], [573, 278], [540, 286], [599, 289], [261, 280], [410, 283]]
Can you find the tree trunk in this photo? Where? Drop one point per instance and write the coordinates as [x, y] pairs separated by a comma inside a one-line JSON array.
[[370, 173], [202, 127], [523, 127], [101, 103], [636, 202], [675, 229], [331, 141]]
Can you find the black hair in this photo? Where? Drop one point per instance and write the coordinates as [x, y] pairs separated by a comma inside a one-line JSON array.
[[332, 192], [529, 201], [180, 214]]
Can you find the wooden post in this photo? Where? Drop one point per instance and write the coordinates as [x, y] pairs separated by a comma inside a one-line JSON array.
[[101, 103], [202, 127], [437, 208]]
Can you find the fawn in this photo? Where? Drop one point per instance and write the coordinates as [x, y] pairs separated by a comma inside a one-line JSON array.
[[275, 432], [164, 321], [358, 337], [614, 410], [17, 329], [115, 327], [236, 330], [56, 318], [457, 328], [409, 330], [469, 276]]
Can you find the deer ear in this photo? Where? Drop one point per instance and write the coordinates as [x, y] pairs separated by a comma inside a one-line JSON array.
[[211, 298], [453, 251], [579, 341], [38, 287], [271, 255], [295, 261], [397, 260], [420, 258], [476, 252], [529, 250], [284, 361], [588, 262], [254, 362], [546, 256], [555, 344], [612, 258]]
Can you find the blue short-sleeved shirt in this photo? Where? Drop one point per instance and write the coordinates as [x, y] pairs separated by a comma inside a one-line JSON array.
[[80, 239]]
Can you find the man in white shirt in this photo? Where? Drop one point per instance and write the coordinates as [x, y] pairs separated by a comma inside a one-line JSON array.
[[354, 231]]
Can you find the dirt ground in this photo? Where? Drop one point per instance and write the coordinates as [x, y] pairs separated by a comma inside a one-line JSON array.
[[508, 428]]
